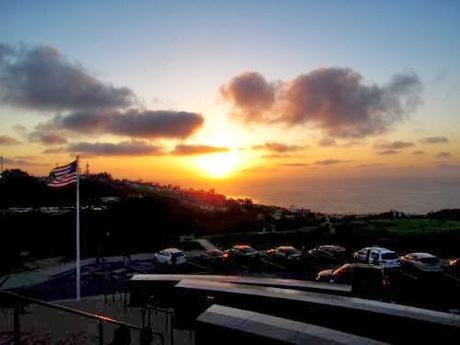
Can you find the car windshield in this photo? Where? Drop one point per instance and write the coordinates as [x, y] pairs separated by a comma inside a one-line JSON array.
[[389, 256], [430, 261]]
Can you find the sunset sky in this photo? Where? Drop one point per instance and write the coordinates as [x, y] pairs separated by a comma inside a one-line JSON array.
[[211, 93]]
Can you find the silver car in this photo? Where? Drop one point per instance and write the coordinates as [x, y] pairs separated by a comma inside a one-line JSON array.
[[170, 256], [421, 261], [378, 256]]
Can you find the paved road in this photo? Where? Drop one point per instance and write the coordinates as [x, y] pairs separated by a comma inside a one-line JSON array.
[[112, 274]]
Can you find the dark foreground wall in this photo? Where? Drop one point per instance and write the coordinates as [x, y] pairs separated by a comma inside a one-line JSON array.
[[376, 320], [232, 326], [372, 319]]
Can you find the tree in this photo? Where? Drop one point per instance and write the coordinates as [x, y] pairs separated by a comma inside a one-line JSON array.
[[14, 175]]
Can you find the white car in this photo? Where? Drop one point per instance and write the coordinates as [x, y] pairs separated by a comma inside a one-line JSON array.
[[284, 252], [169, 255], [362, 255], [422, 262], [378, 256]]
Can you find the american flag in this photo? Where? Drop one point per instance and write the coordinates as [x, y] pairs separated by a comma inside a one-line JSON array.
[[63, 176]]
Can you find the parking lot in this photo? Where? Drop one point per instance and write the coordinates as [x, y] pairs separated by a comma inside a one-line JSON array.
[[437, 290], [434, 286]]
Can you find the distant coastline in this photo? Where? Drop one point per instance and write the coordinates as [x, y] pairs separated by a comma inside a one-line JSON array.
[[409, 195], [414, 196]]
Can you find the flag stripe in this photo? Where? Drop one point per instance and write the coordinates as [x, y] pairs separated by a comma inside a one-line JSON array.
[[60, 183], [64, 175], [65, 178], [71, 180], [64, 169], [55, 185]]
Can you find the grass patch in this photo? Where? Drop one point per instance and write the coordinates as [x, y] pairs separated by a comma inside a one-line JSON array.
[[413, 227]]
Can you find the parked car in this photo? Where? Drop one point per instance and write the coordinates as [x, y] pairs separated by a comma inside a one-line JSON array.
[[213, 255], [192, 249], [284, 252], [422, 262], [329, 253], [378, 256], [170, 256], [367, 281], [242, 250], [341, 275], [362, 255], [454, 266]]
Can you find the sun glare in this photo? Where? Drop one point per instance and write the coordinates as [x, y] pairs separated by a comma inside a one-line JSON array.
[[218, 165]]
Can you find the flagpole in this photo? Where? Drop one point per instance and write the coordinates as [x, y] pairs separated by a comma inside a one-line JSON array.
[[78, 233]]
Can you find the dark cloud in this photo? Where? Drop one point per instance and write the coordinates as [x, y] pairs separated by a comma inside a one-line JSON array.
[[434, 140], [330, 142], [278, 147], [153, 124], [41, 78], [329, 162], [259, 169], [388, 152], [395, 145], [20, 129], [327, 142], [250, 94], [277, 156], [372, 165], [336, 100], [47, 138], [294, 165], [189, 150], [449, 166], [5, 51], [25, 157], [55, 150], [20, 162], [125, 148], [418, 152], [443, 155], [7, 140], [132, 123], [339, 102], [350, 143]]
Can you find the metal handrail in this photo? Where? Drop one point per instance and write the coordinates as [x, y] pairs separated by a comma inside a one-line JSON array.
[[99, 318]]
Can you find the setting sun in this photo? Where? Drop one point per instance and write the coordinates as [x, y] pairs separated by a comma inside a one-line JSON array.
[[218, 165]]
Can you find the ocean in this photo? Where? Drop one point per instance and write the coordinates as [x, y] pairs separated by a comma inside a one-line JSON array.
[[354, 196]]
